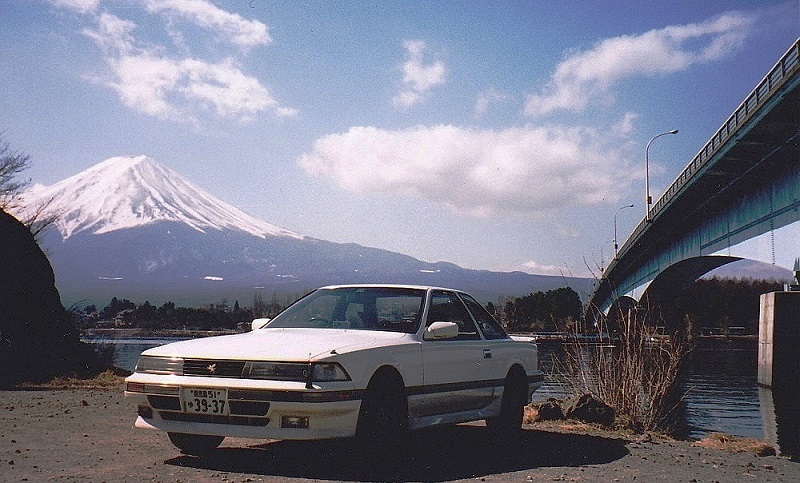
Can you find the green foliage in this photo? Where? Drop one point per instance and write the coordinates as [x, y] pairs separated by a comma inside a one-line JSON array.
[[551, 311]]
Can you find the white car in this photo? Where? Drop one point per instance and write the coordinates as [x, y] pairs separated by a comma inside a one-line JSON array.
[[371, 361]]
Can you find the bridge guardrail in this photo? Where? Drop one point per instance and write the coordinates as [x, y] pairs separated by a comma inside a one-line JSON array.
[[783, 70]]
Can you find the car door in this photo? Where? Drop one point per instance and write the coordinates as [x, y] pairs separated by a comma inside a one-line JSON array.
[[457, 371]]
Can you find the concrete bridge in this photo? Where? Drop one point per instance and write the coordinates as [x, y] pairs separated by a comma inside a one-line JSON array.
[[744, 183]]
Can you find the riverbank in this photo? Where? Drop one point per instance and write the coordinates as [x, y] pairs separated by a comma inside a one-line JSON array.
[[85, 433]]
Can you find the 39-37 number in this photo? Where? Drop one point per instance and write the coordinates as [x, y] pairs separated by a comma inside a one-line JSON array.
[[205, 406]]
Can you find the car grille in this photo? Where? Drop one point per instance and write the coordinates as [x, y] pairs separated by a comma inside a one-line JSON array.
[[248, 408], [213, 368]]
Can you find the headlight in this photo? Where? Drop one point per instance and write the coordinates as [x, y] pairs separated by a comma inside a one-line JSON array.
[[296, 371], [328, 371], [277, 371], [160, 365]]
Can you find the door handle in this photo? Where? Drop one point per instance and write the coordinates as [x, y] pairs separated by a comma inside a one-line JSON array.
[[487, 353]]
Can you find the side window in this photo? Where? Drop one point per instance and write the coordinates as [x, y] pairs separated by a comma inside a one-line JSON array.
[[355, 316], [447, 307], [489, 326]]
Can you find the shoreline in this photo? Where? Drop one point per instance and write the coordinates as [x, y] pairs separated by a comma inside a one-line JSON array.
[[704, 342], [71, 433]]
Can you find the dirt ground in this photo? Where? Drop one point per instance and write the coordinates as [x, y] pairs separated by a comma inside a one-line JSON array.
[[88, 435]]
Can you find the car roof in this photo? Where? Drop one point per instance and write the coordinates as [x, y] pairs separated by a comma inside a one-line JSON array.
[[390, 285]]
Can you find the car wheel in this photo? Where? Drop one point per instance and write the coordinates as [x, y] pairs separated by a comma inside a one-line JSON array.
[[195, 444], [383, 418], [512, 408]]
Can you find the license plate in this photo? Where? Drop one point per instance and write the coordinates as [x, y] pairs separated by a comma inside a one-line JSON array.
[[205, 401]]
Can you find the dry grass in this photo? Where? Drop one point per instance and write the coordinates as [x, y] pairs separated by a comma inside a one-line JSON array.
[[111, 379], [635, 373], [736, 444]]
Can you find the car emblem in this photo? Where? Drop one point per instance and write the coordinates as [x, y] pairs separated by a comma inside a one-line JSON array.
[[212, 368]]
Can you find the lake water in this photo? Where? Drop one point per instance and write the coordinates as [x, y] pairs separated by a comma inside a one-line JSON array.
[[723, 393]]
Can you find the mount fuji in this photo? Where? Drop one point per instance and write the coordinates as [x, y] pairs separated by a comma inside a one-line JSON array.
[[131, 228]]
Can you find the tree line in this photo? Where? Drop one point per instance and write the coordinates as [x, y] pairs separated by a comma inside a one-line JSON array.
[[715, 305], [718, 305], [552, 311], [708, 306], [121, 312]]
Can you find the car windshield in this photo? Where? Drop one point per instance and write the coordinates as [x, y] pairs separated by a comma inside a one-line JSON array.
[[392, 309]]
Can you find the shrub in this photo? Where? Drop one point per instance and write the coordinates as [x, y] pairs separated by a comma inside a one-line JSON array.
[[633, 370]]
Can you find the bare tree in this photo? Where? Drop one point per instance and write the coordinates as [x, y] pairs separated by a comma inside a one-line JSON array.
[[12, 163], [12, 191]]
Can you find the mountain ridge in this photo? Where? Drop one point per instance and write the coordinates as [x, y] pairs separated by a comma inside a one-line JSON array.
[[131, 228], [129, 191]]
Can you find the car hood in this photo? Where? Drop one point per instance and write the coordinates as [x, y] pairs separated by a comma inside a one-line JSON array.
[[278, 344]]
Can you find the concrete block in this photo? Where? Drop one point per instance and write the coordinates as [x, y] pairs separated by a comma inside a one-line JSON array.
[[779, 341]]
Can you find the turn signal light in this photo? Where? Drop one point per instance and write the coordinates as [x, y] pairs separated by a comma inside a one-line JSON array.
[[294, 422], [135, 387]]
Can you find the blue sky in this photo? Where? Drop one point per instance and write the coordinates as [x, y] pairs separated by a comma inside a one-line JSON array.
[[495, 135]]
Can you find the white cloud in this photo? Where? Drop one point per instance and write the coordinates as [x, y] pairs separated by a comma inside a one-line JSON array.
[[582, 76], [242, 32], [541, 269], [143, 83], [480, 173], [153, 83], [163, 87], [225, 87], [418, 77], [113, 34], [625, 125], [491, 96], [80, 6]]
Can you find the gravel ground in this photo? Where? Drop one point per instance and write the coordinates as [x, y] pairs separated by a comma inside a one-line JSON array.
[[87, 435]]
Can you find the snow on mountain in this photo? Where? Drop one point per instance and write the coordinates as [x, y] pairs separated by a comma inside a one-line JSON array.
[[127, 192]]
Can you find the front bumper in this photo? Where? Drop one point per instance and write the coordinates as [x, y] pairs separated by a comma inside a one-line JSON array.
[[284, 411]]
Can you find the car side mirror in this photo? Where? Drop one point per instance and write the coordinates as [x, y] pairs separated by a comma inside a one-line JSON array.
[[258, 323], [441, 330]]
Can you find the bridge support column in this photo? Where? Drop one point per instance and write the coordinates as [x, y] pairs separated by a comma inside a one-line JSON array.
[[779, 341]]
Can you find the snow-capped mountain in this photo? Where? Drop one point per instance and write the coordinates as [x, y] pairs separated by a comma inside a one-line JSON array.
[[131, 228], [127, 192]]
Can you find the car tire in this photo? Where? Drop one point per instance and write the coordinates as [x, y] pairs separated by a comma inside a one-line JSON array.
[[508, 423], [383, 417], [195, 444]]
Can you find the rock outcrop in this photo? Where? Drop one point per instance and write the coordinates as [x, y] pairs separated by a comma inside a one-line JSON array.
[[37, 337]]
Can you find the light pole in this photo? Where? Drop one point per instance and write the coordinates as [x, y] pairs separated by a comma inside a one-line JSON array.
[[648, 200], [615, 228]]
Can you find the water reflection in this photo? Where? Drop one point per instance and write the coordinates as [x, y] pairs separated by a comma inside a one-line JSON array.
[[780, 416], [723, 396]]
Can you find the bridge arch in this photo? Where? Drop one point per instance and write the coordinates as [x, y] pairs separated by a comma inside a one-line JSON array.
[[658, 301]]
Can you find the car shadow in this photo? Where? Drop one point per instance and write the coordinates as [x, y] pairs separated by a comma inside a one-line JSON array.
[[439, 454]]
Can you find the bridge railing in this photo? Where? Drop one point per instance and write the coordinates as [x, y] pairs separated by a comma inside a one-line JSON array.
[[783, 70]]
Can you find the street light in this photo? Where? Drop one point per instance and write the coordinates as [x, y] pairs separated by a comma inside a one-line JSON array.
[[615, 228], [648, 199]]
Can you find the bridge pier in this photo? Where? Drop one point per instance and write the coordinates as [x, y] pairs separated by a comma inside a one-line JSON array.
[[779, 341]]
